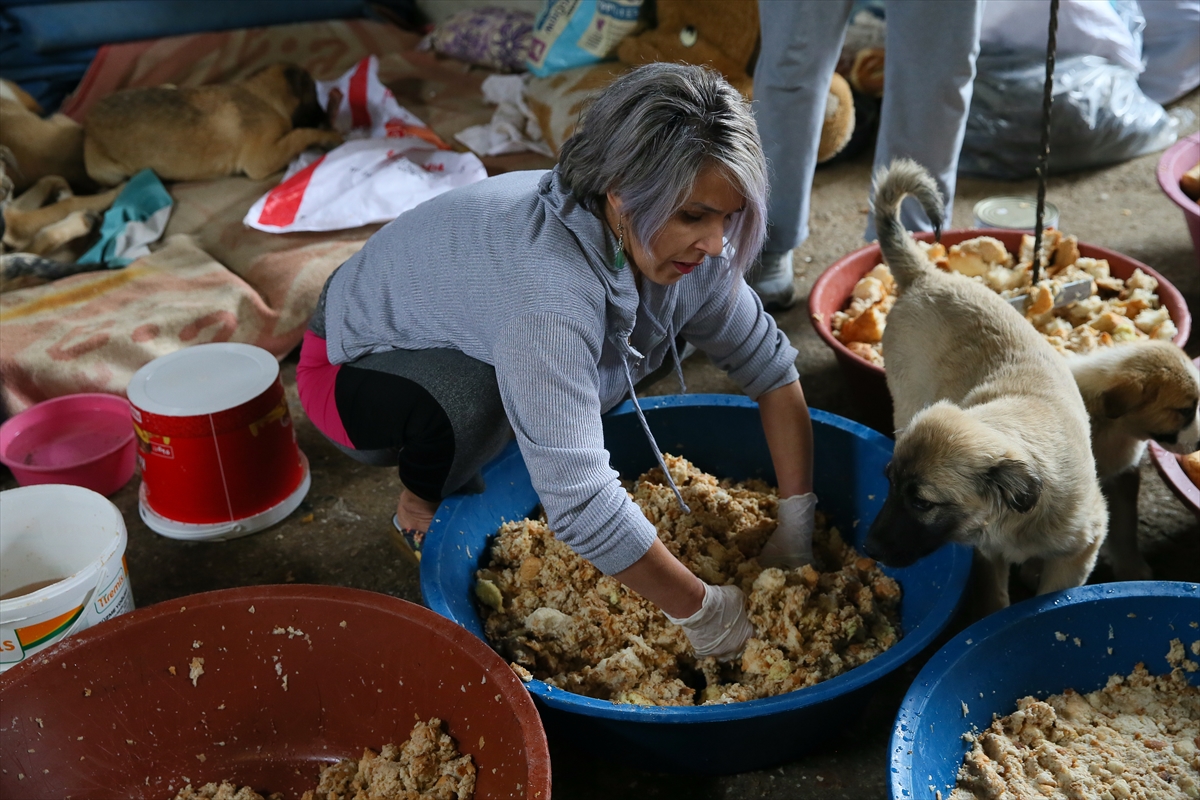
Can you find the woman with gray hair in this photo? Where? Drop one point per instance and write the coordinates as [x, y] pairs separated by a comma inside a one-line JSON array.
[[530, 303]]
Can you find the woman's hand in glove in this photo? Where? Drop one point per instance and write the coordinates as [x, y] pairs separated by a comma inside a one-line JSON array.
[[720, 628], [790, 546]]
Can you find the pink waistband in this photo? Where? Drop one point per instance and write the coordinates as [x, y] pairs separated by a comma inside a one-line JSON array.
[[315, 380]]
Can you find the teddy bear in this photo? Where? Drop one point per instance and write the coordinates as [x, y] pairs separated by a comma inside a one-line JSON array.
[[723, 35], [838, 126], [719, 34]]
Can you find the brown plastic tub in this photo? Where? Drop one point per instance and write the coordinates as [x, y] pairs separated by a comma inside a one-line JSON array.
[[101, 716], [831, 293]]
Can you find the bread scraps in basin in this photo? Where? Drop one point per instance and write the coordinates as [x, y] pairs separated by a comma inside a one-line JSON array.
[[555, 615]]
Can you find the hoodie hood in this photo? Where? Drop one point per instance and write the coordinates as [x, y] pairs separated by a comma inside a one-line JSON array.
[[599, 248]]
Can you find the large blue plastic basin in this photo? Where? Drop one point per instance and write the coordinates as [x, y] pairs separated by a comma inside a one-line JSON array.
[[721, 434], [1015, 652]]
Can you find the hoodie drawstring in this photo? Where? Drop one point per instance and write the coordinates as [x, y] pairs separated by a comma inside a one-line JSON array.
[[675, 355], [653, 444]]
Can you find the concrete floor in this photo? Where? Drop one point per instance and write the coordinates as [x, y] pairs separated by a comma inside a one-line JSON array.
[[338, 536]]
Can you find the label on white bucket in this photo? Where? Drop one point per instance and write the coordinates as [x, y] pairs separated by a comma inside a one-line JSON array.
[[115, 598], [40, 631], [62, 568]]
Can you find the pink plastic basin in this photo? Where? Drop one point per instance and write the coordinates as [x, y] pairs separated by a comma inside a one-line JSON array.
[[81, 439], [1170, 467], [1179, 158], [831, 293]]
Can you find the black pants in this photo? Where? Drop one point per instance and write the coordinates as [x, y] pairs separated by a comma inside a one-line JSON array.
[[385, 412]]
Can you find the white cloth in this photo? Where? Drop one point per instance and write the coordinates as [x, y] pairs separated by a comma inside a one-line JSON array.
[[790, 545], [390, 162], [721, 627], [513, 129]]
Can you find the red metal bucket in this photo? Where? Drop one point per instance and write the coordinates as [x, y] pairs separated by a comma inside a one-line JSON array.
[[216, 443]]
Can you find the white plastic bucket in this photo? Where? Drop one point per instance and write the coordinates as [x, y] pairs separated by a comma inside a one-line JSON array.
[[62, 566]]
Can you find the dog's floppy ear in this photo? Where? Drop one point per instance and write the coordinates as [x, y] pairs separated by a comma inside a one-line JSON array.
[[1018, 486], [1124, 397], [308, 113], [298, 80]]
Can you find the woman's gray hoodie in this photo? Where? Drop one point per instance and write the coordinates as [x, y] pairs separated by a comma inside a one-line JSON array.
[[513, 271]]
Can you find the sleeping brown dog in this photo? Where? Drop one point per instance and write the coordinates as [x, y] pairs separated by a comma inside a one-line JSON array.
[[254, 126], [39, 145]]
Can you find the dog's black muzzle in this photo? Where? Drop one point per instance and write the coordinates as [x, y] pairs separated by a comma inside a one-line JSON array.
[[899, 538]]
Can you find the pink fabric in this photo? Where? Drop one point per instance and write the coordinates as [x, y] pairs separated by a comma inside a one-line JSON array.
[[315, 380]]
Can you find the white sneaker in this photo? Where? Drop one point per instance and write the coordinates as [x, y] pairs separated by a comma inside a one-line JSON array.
[[772, 279]]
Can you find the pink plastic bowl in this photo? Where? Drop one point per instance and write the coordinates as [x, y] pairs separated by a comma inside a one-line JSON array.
[[82, 439], [1179, 158], [831, 293], [1169, 467]]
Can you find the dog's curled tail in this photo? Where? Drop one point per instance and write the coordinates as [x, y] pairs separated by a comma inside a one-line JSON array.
[[892, 184]]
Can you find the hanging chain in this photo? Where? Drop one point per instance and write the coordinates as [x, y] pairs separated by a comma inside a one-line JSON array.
[[1043, 156]]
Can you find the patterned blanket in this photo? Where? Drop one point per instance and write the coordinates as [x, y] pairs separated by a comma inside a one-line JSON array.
[[212, 279]]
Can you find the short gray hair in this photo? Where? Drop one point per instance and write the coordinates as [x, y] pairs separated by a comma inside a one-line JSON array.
[[646, 139]]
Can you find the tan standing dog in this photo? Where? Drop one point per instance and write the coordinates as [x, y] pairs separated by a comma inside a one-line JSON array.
[[1134, 393], [992, 444], [253, 126]]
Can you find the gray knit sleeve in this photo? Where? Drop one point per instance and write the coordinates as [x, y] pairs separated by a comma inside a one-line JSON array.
[[546, 366], [742, 339]]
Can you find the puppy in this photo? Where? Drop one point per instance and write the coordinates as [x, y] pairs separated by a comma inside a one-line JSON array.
[[253, 126], [1133, 393], [50, 146], [992, 445]]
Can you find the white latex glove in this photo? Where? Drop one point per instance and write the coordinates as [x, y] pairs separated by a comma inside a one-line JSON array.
[[790, 546], [720, 628]]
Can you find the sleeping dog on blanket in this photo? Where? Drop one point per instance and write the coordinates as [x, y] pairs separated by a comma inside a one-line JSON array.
[[255, 126]]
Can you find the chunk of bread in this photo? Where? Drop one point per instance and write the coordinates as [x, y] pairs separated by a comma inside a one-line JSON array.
[[1191, 466], [1190, 182]]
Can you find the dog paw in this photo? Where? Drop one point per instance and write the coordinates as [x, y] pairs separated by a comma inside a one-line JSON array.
[[330, 140]]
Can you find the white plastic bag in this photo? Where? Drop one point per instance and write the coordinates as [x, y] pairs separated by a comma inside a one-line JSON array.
[[1085, 28], [390, 162], [1171, 48]]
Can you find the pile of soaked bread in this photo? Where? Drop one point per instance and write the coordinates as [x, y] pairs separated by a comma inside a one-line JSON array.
[[427, 766], [559, 619], [1138, 737], [1116, 311]]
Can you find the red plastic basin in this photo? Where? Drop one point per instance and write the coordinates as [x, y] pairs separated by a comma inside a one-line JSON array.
[[101, 716], [1179, 158], [831, 293], [80, 439]]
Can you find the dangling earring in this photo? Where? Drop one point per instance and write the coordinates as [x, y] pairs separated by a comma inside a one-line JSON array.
[[619, 261]]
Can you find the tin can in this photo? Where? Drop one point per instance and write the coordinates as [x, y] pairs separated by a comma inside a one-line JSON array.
[[1013, 212]]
